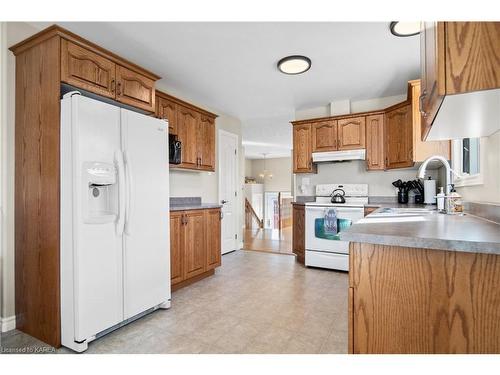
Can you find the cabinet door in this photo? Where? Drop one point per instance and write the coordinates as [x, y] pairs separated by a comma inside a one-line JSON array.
[[135, 89], [195, 255], [375, 142], [176, 250], [399, 142], [432, 67], [87, 70], [213, 238], [298, 233], [302, 150], [324, 136], [206, 143], [187, 126], [167, 110], [351, 133]]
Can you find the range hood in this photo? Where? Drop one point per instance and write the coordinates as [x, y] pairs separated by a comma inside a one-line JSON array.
[[321, 157]]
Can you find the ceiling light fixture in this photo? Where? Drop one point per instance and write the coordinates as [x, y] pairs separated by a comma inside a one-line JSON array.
[[294, 64], [399, 28]]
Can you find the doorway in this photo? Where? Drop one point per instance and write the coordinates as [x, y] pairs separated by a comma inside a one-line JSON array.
[[228, 191]]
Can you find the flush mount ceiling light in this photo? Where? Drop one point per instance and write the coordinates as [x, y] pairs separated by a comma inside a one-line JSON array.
[[295, 64], [399, 28]]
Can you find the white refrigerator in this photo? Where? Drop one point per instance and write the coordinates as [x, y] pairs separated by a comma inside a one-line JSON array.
[[115, 245]]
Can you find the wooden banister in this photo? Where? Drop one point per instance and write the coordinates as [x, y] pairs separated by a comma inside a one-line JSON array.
[[250, 213]]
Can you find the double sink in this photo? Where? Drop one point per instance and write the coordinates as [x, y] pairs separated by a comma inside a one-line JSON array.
[[397, 215]]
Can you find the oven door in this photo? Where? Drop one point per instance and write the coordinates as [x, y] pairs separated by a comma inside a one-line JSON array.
[[317, 240]]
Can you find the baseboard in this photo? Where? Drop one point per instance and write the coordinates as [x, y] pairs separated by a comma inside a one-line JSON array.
[[8, 324]]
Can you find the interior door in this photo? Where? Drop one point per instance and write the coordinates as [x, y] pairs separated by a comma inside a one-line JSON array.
[[228, 197], [146, 239], [94, 287]]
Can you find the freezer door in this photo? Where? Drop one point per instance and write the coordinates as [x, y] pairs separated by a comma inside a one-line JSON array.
[[91, 250], [146, 239]]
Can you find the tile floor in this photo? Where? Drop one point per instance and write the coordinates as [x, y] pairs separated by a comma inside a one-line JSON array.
[[255, 303]]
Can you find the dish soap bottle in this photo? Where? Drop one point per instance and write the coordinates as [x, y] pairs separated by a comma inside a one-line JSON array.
[[455, 205], [440, 199]]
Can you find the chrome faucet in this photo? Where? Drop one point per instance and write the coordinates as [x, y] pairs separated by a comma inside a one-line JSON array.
[[449, 171], [449, 174]]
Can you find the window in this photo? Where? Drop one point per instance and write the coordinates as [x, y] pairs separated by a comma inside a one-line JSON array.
[[467, 161]]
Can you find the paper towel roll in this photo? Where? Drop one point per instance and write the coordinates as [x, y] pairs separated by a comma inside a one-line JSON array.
[[430, 191]]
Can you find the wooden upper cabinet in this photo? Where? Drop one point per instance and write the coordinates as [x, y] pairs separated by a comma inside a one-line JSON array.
[[187, 126], [432, 72], [351, 133], [302, 149], [324, 136], [398, 138], [213, 238], [423, 149], [456, 57], [86, 69], [135, 89], [176, 247], [194, 243], [206, 143], [375, 142], [167, 110]]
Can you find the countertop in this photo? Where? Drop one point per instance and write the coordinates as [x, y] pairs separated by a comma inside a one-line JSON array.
[[190, 203], [466, 233], [185, 207]]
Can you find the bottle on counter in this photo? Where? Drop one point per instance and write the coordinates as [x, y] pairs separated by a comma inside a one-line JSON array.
[[440, 200], [455, 205]]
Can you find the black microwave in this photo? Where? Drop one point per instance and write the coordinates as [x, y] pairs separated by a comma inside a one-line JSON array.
[[174, 149]]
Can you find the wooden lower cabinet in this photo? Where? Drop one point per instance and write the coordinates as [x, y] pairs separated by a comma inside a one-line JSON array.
[[195, 243], [412, 300], [299, 232]]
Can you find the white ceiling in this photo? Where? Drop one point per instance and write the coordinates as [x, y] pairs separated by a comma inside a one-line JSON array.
[[231, 67]]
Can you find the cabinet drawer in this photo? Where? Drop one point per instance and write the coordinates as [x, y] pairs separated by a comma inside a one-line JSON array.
[[87, 70], [135, 89]]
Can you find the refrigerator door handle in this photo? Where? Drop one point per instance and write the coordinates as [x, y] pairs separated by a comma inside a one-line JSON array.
[[121, 192], [128, 179]]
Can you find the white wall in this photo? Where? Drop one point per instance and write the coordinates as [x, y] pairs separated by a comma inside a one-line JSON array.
[[354, 172], [281, 168], [13, 32], [489, 191]]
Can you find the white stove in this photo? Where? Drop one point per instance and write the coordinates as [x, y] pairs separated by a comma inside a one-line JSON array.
[[324, 248]]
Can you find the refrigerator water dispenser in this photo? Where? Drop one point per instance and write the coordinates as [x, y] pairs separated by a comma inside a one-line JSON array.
[[101, 202]]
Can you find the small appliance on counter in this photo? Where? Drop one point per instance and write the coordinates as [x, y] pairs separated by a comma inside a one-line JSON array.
[[174, 149]]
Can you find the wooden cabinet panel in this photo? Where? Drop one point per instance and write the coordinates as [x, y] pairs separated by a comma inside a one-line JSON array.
[[187, 126], [411, 300], [472, 56], [375, 142], [176, 248], [399, 138], [298, 233], [432, 72], [302, 149], [423, 149], [135, 89], [324, 136], [167, 110], [206, 143], [213, 238], [88, 70], [194, 243], [351, 133]]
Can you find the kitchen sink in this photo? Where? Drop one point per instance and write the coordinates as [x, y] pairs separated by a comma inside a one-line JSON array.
[[389, 211]]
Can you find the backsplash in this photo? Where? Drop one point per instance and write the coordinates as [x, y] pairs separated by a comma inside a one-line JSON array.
[[354, 172]]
